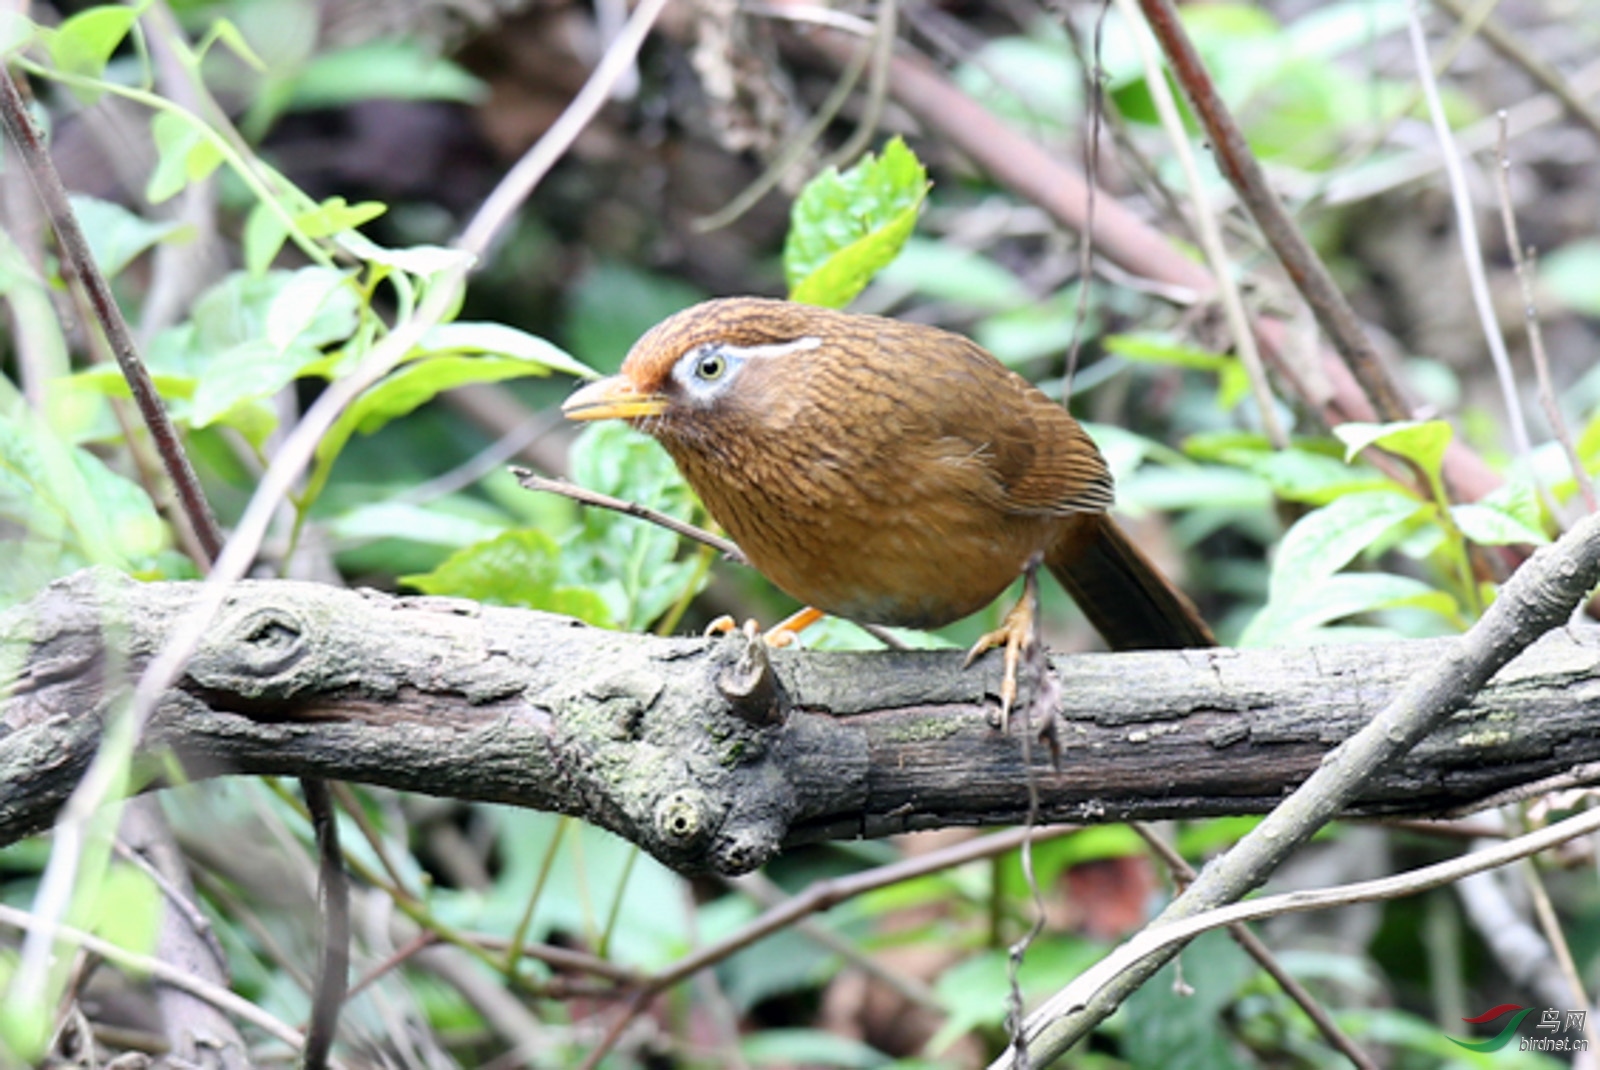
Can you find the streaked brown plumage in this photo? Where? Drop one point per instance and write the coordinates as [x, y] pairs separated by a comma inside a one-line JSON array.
[[882, 471]]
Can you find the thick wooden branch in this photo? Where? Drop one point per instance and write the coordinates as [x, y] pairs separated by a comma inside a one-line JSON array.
[[708, 755]]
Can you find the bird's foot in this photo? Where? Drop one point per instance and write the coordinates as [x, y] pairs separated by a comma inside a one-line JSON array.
[[1015, 633], [783, 634]]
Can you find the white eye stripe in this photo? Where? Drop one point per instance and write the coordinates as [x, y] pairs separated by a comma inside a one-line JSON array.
[[779, 349]]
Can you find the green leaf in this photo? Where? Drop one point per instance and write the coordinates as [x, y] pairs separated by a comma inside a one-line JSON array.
[[403, 391], [1421, 441], [633, 564], [127, 909], [1178, 1028], [1326, 539], [1488, 525], [423, 261], [247, 373], [225, 33], [334, 216], [265, 231], [1289, 619], [614, 304], [974, 992], [184, 154], [499, 339], [314, 306], [1298, 475], [84, 43], [63, 509], [950, 273], [117, 236], [1036, 329], [394, 68], [1035, 84], [428, 524], [516, 568], [809, 1047], [1572, 274], [845, 227]]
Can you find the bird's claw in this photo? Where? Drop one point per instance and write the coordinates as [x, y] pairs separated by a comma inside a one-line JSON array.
[[780, 636], [1016, 633]]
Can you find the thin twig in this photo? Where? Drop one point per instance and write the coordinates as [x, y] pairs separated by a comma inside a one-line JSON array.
[[1560, 946], [333, 923], [584, 496], [1538, 597], [298, 448], [1163, 940], [791, 153], [78, 262], [1183, 874], [817, 897], [1467, 232], [533, 481], [1541, 364], [164, 972], [1245, 174], [1503, 41], [1210, 235], [883, 39]]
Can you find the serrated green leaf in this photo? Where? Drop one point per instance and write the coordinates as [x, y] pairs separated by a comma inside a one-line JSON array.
[[84, 43], [1326, 539], [845, 227], [516, 568], [1421, 441], [117, 236], [497, 338], [1487, 525]]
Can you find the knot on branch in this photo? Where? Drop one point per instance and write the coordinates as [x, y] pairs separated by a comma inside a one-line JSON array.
[[686, 764], [261, 651], [747, 681]]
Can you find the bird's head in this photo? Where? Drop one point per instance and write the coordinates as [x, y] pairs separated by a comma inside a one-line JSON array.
[[707, 360]]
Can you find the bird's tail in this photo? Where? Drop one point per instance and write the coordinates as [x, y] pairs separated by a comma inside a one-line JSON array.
[[1127, 599]]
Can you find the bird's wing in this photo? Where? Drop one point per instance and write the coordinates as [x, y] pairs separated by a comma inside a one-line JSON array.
[[1039, 459]]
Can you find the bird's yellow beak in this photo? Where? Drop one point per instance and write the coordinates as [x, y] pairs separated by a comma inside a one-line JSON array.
[[616, 398]]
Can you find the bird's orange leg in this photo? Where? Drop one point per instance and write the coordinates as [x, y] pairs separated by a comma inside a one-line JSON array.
[[1016, 631], [781, 634]]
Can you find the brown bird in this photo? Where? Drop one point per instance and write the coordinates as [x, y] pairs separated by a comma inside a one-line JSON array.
[[887, 472]]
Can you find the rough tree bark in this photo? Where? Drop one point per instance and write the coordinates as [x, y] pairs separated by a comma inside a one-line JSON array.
[[711, 756]]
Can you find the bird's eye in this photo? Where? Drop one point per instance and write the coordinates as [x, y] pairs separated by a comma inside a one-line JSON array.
[[711, 366]]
